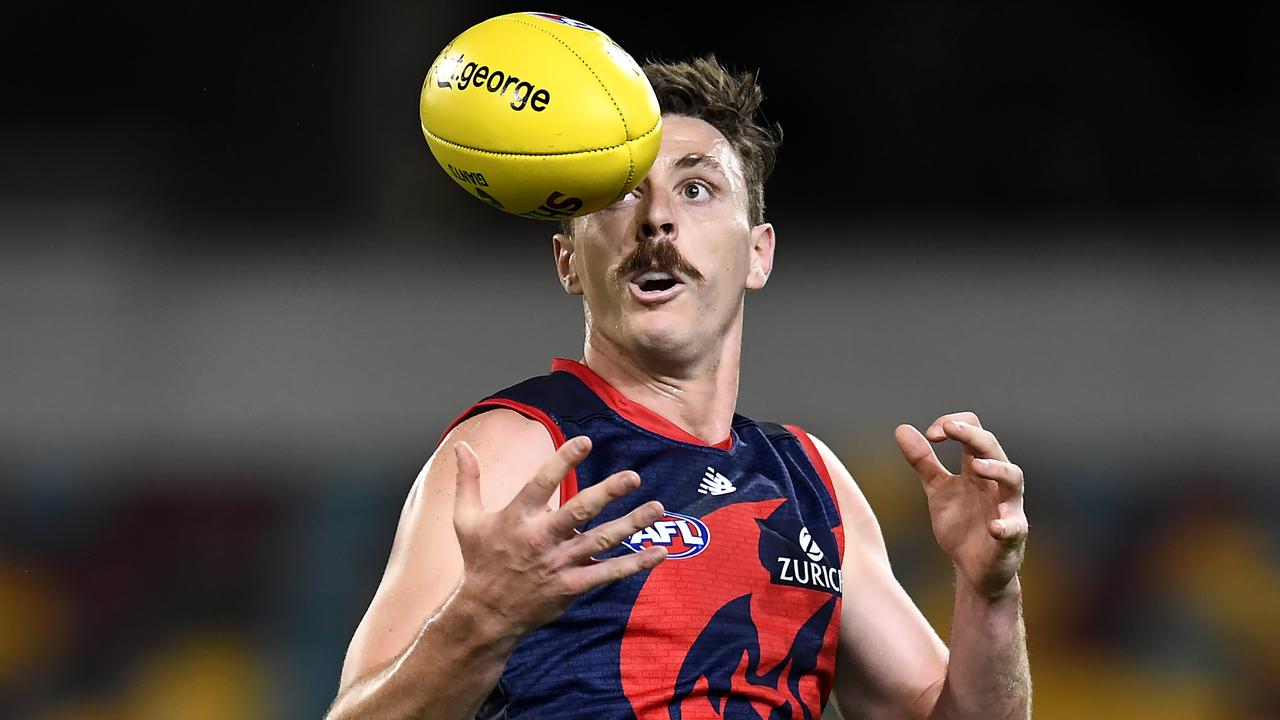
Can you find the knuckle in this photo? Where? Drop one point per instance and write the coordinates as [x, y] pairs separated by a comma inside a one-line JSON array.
[[641, 517], [580, 514], [548, 480], [619, 487], [995, 469], [567, 587], [536, 544], [622, 570]]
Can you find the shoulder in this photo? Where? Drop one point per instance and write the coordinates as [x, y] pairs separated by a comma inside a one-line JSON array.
[[860, 523], [505, 442], [425, 564], [498, 428], [509, 445]]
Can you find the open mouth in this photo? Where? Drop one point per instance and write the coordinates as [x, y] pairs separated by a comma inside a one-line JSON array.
[[653, 286]]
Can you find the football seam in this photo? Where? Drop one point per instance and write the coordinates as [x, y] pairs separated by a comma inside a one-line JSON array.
[[626, 131], [460, 146], [585, 64]]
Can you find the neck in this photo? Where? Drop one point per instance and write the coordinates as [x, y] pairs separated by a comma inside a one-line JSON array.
[[699, 396]]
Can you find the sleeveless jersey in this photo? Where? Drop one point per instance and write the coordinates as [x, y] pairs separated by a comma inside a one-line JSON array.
[[740, 621]]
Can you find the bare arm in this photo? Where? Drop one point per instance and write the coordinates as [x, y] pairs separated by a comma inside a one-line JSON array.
[[450, 666], [890, 663], [465, 584], [978, 520], [988, 676]]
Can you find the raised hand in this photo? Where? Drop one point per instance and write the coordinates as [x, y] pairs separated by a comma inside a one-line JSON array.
[[524, 565], [977, 514]]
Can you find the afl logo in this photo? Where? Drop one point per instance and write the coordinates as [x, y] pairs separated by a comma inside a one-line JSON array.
[[681, 535]]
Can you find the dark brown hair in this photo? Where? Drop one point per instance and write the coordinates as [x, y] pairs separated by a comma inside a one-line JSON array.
[[730, 102]]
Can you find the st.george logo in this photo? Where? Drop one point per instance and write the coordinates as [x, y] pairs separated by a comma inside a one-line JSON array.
[[681, 535]]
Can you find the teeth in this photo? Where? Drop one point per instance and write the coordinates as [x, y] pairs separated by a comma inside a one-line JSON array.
[[653, 275]]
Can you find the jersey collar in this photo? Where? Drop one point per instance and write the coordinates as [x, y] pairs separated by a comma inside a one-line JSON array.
[[631, 410]]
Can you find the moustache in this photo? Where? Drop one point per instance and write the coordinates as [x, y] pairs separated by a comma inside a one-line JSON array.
[[655, 255]]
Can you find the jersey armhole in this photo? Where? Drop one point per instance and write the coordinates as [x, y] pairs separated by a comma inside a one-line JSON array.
[[569, 485], [815, 457], [820, 465]]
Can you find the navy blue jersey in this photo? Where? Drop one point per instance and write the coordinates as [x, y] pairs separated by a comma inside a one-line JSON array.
[[740, 621]]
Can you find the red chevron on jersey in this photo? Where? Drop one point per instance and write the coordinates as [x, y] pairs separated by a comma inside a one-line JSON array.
[[688, 652]]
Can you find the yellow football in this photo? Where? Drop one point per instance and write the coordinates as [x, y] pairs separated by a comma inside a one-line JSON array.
[[540, 116]]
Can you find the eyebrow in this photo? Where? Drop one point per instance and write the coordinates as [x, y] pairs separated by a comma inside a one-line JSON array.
[[693, 160]]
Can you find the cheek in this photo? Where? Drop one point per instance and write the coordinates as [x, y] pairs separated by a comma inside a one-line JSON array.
[[594, 265], [730, 261], [594, 278], [612, 222], [725, 276]]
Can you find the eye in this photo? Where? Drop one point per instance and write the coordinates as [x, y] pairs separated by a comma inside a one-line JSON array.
[[696, 190]]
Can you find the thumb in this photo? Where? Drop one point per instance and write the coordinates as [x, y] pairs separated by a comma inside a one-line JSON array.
[[919, 453]]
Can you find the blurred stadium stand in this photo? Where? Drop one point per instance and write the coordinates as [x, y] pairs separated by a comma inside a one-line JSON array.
[[239, 302]]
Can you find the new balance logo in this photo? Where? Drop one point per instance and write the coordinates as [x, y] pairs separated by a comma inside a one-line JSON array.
[[713, 483]]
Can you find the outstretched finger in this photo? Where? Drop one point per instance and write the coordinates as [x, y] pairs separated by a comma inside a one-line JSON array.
[[935, 432], [980, 443], [1008, 475], [582, 578], [466, 495], [587, 504], [535, 494], [601, 539], [919, 453]]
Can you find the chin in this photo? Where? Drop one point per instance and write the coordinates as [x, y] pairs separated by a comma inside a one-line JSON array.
[[661, 337]]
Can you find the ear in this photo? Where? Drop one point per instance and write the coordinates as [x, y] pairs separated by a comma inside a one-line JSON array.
[[563, 246], [762, 244]]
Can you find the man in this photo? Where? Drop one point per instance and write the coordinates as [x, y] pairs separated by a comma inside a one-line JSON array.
[[536, 575]]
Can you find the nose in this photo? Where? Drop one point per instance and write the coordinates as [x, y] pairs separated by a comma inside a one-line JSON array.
[[657, 219]]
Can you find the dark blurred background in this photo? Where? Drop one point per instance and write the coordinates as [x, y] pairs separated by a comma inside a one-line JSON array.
[[239, 301]]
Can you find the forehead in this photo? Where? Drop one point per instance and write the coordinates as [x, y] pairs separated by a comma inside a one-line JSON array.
[[683, 136]]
